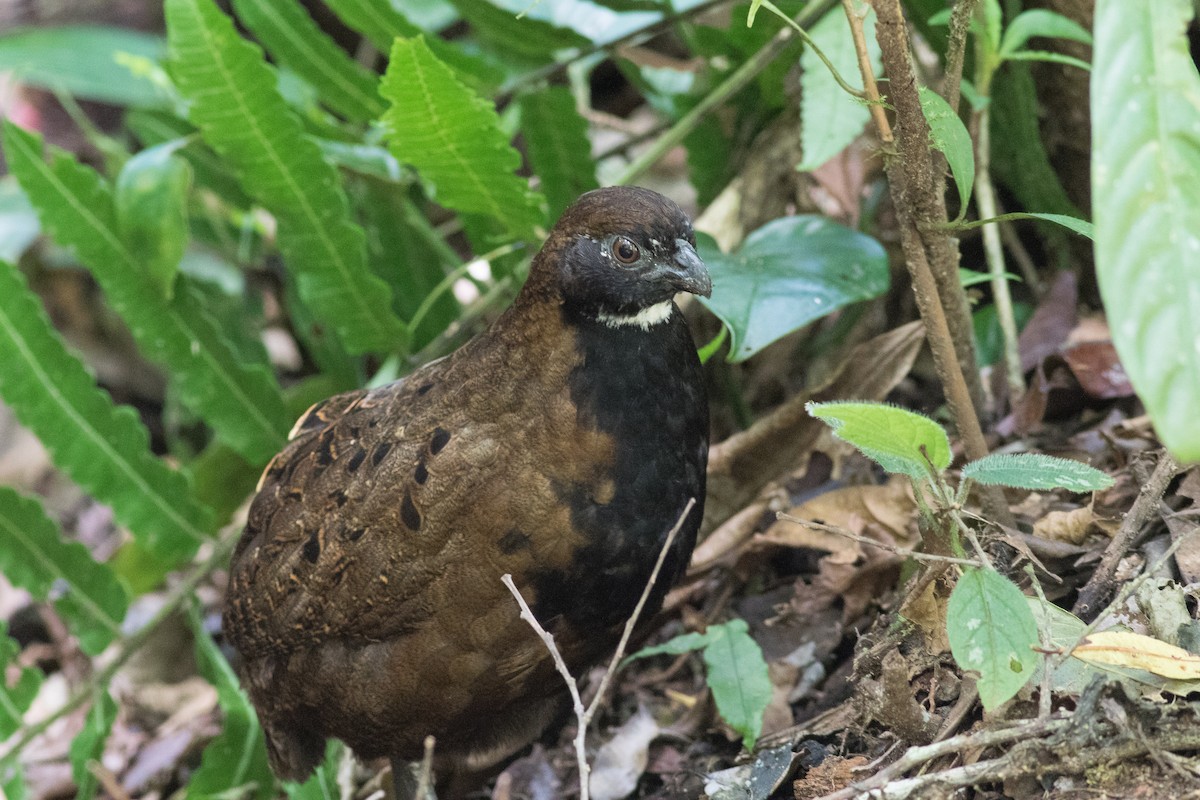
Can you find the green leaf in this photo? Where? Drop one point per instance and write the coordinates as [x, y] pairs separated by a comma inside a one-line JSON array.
[[88, 745], [901, 441], [969, 277], [788, 273], [1146, 206], [404, 252], [558, 144], [737, 675], [1051, 57], [830, 119], [513, 37], [951, 137], [18, 687], [1036, 472], [454, 139], [1080, 226], [102, 447], [1040, 22], [287, 31], [241, 402], [683, 643], [323, 784], [989, 338], [151, 193], [1019, 157], [381, 22], [992, 632], [709, 158], [235, 763], [34, 557], [84, 61], [236, 105], [156, 127], [378, 20]]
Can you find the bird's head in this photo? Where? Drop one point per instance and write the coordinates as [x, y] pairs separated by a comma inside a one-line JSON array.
[[618, 255]]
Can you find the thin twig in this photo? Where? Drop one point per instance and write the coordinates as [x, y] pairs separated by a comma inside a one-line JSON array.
[[130, 644], [870, 87], [903, 552], [1101, 582], [584, 715], [916, 756], [425, 775]]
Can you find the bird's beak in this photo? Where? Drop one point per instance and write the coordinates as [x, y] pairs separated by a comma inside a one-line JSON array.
[[687, 272]]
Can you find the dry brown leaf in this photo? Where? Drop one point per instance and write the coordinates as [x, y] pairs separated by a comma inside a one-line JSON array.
[[885, 513], [1133, 650], [1072, 526], [741, 465], [928, 612]]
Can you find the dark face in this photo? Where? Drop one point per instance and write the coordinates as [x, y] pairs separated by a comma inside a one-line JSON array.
[[627, 250]]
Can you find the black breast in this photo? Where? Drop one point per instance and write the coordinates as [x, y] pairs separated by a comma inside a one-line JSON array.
[[644, 388]]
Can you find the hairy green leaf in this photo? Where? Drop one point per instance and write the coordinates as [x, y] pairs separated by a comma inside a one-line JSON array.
[[85, 61], [102, 447], [830, 119], [88, 745], [558, 146], [454, 140], [900, 440], [151, 192], [287, 31], [992, 632], [34, 556], [1146, 206], [789, 272], [16, 693], [236, 105], [241, 402], [951, 137], [1037, 472], [12, 776], [236, 761]]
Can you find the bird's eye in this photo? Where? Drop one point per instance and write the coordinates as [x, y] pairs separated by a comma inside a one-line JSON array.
[[625, 251]]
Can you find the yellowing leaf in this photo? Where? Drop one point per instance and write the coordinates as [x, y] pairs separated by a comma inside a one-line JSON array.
[[1122, 649]]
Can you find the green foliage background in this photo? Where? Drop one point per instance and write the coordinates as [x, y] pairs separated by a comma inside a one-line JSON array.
[[363, 186]]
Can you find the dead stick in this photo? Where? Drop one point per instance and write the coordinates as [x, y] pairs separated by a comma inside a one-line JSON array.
[[584, 715], [1102, 582]]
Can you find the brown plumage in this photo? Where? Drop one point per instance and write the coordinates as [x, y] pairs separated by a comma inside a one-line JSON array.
[[560, 446]]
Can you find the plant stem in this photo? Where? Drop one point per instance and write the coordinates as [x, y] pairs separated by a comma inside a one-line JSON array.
[[993, 248], [932, 260], [870, 87]]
